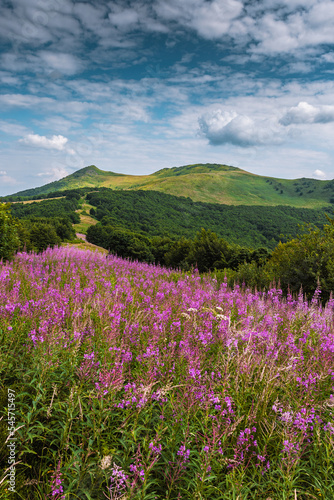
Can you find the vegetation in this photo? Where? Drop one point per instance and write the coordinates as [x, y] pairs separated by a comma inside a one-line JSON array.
[[61, 207], [37, 234], [33, 233], [158, 214], [306, 261], [157, 228], [209, 183], [9, 228], [206, 251], [134, 381]]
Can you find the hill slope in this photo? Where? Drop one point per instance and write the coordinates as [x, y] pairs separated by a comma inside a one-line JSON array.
[[209, 183]]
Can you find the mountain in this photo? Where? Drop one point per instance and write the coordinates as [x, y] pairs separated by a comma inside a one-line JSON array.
[[210, 183]]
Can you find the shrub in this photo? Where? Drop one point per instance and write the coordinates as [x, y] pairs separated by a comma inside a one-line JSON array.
[[9, 238]]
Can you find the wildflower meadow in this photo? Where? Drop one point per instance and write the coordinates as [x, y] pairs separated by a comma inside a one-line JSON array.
[[124, 380]]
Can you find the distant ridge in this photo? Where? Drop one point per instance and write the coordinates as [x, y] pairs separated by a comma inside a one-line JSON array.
[[210, 183]]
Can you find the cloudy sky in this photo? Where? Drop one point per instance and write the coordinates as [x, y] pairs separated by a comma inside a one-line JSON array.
[[134, 86]]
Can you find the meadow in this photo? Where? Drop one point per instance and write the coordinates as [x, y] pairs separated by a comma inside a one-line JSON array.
[[132, 381]]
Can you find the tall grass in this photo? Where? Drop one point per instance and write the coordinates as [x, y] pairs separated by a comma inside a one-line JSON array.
[[137, 382]]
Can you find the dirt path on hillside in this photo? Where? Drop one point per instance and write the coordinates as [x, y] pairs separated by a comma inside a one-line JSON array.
[[81, 236], [86, 245]]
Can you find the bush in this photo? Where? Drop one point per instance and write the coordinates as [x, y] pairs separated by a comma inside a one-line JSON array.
[[9, 227], [43, 236], [306, 261]]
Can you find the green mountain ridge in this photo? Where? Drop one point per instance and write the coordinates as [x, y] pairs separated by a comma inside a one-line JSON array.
[[210, 183]]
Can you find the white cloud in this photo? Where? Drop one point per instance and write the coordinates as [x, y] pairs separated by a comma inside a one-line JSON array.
[[125, 18], [57, 142], [13, 128], [307, 113], [328, 57], [292, 28], [210, 19], [62, 62], [224, 127], [25, 100], [6, 179], [319, 174], [54, 173]]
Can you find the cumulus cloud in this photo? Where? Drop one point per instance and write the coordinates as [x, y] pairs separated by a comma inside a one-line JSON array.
[[224, 127], [3, 172], [57, 142], [319, 174], [289, 27], [65, 29], [305, 113]]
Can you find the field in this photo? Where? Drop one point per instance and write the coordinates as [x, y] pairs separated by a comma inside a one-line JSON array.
[[209, 183], [130, 381]]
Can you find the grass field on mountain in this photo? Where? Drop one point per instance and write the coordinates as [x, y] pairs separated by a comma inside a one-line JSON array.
[[210, 183]]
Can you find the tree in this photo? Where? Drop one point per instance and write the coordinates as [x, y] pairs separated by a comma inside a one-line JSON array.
[[306, 261], [43, 236], [177, 255], [9, 239], [206, 251]]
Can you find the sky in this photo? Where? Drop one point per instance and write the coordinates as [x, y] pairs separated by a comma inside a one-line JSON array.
[[136, 86]]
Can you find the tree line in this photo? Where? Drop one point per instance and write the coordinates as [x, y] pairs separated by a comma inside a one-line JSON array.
[[31, 234], [153, 213], [305, 262]]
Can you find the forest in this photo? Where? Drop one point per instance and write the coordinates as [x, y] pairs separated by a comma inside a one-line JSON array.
[[152, 213]]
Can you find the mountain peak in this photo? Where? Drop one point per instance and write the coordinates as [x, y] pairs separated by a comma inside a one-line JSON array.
[[197, 168]]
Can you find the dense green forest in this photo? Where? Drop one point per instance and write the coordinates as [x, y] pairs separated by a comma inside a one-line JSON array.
[[59, 207], [157, 214], [205, 251], [151, 213], [31, 232]]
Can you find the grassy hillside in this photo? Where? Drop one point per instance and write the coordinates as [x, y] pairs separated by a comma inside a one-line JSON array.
[[210, 183]]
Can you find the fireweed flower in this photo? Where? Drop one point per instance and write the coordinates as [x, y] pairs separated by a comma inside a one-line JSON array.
[[56, 484], [184, 454], [156, 450], [138, 471], [290, 447], [118, 479], [329, 427], [64, 298]]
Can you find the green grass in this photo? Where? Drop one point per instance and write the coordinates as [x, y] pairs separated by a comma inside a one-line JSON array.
[[205, 182]]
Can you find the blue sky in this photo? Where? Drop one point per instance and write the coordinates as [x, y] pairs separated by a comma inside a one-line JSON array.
[[136, 86]]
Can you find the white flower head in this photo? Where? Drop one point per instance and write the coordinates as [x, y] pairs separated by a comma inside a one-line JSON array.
[[106, 462]]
